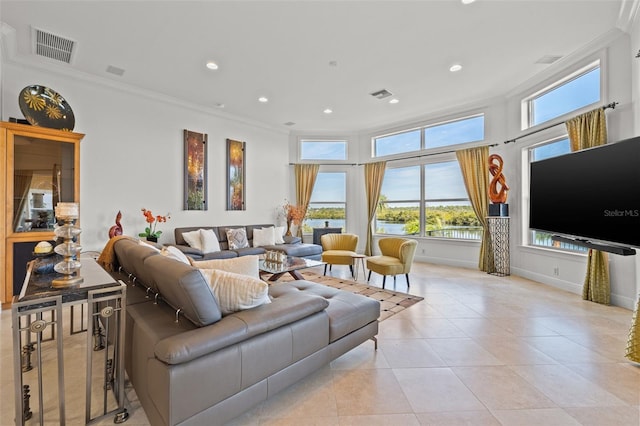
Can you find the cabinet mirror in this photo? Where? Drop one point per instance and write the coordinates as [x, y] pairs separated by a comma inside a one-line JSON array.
[[43, 176]]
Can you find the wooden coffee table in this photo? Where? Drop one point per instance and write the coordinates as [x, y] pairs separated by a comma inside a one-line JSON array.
[[290, 265]]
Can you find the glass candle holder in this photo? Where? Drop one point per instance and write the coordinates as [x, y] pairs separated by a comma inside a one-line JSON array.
[[69, 267]]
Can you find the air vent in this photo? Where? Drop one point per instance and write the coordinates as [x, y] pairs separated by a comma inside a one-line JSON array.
[[115, 70], [548, 59], [381, 94], [52, 46], [289, 123]]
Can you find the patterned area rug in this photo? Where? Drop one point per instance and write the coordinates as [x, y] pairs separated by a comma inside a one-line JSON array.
[[391, 302]]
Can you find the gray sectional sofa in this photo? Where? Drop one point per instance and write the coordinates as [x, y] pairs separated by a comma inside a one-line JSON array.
[[293, 246], [190, 365]]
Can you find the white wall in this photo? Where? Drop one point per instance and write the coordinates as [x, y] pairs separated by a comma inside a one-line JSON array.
[[132, 156]]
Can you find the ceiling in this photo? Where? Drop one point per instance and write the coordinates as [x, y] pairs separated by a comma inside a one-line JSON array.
[[306, 56]]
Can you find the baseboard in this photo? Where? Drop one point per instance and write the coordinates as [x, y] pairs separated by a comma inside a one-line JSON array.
[[571, 287], [447, 262]]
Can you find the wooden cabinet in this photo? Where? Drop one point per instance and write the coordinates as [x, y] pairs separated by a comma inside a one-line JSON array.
[[41, 167]]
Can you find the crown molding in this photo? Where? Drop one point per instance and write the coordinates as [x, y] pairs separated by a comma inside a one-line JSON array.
[[628, 14], [9, 55]]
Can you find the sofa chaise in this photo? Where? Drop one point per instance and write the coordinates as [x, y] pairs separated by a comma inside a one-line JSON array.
[[292, 246], [190, 365]]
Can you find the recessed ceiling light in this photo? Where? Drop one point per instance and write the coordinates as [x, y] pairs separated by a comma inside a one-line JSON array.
[[263, 99], [467, 1], [328, 111], [455, 68], [212, 65], [394, 101]]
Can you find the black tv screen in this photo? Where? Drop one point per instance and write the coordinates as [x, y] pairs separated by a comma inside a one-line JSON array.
[[592, 194]]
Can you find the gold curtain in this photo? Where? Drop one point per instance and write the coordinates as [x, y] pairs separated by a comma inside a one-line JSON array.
[[305, 180], [586, 131], [373, 176], [474, 164], [21, 185], [633, 341]]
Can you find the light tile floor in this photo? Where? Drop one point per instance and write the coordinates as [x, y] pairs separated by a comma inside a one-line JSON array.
[[479, 350]]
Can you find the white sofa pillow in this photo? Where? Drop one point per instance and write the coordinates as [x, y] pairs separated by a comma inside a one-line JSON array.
[[279, 234], [210, 243], [264, 237], [235, 292], [148, 244], [193, 239], [245, 265], [175, 253]]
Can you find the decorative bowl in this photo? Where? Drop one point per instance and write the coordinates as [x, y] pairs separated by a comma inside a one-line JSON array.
[[45, 107]]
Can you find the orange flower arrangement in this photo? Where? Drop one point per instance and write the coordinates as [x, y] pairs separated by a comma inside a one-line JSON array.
[[150, 231], [294, 214]]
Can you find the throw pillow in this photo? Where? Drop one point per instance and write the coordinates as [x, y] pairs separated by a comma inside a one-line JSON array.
[[148, 244], [279, 233], [235, 292], [244, 265], [193, 239], [209, 241], [264, 237], [237, 238], [175, 253]]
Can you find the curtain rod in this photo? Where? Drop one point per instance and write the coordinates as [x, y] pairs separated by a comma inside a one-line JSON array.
[[432, 153], [612, 105], [393, 159]]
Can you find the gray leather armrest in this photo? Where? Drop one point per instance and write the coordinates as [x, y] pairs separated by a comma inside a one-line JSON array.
[[237, 327], [187, 249], [290, 239]]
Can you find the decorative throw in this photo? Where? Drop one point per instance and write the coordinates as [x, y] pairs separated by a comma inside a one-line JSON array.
[[237, 238], [107, 258]]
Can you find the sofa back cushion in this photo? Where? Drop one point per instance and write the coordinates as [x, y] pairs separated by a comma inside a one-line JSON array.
[[183, 287], [131, 256]]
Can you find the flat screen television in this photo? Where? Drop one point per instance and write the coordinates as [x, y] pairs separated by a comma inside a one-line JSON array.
[[591, 195]]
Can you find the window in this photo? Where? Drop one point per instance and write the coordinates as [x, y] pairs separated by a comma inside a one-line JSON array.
[[397, 143], [448, 211], [328, 202], [454, 132], [323, 150], [431, 194], [541, 152], [399, 206], [450, 133], [571, 94]]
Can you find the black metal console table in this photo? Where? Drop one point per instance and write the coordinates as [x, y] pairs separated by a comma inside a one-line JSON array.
[[319, 232], [106, 300]]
